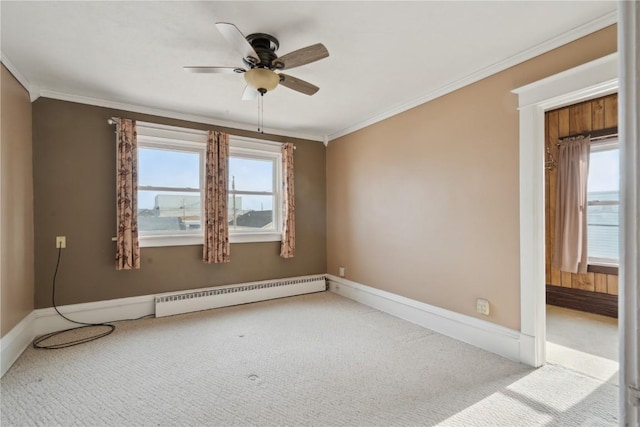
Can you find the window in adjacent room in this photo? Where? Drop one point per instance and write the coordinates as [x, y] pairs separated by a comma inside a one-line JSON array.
[[171, 177], [603, 201]]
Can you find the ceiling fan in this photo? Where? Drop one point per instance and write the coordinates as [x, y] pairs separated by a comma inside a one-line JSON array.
[[258, 52]]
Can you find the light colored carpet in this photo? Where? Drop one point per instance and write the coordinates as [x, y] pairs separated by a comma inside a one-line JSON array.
[[318, 359], [583, 342]]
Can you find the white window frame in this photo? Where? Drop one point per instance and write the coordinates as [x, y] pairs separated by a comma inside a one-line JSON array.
[[255, 149], [151, 135], [595, 147]]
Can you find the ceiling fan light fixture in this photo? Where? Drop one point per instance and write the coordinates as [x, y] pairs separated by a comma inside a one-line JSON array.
[[261, 79]]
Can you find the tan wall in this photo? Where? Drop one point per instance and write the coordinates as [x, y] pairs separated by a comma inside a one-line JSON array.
[[16, 203], [601, 113], [74, 176], [425, 204]]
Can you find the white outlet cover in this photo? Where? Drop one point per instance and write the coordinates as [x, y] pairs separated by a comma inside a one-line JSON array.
[[482, 306]]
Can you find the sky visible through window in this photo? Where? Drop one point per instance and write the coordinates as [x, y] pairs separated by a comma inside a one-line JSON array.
[[603, 171]]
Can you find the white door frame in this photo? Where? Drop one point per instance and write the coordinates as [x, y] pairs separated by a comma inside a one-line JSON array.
[[629, 320], [590, 80]]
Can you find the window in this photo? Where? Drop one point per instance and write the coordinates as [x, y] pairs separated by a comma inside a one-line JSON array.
[[603, 200], [251, 193], [255, 180], [170, 185], [171, 176]]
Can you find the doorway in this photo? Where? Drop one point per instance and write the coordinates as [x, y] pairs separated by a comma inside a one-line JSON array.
[[582, 309], [588, 81]]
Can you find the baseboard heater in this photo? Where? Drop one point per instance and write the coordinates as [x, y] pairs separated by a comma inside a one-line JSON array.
[[225, 296]]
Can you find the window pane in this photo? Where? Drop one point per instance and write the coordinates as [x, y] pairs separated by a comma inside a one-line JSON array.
[[603, 211], [604, 171], [251, 213], [168, 211], [603, 231], [166, 168], [250, 174]]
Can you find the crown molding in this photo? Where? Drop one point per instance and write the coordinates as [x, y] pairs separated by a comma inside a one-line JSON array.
[[45, 93], [34, 91], [567, 37]]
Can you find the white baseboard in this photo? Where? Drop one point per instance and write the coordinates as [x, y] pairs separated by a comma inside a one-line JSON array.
[[48, 320], [480, 333], [15, 342], [528, 351]]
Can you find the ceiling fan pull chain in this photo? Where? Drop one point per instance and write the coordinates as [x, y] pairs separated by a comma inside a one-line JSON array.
[[259, 124], [261, 106]]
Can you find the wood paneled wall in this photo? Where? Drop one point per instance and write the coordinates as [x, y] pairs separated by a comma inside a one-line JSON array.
[[591, 115]]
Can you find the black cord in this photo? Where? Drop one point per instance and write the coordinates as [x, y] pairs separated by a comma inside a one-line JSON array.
[[37, 343]]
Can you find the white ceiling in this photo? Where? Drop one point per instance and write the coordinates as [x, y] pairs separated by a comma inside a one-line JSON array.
[[384, 56]]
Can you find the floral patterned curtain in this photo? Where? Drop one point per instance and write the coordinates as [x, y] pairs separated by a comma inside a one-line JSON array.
[[570, 246], [216, 223], [288, 247], [127, 246]]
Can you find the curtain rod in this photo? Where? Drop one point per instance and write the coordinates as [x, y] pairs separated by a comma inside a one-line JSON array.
[[114, 121], [611, 132]]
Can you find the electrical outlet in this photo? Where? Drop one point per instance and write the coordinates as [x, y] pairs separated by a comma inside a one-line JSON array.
[[482, 306], [341, 272], [61, 242]]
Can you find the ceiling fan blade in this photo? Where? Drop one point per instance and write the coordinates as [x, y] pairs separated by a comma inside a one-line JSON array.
[[297, 84], [214, 70], [302, 56], [249, 94], [237, 40]]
